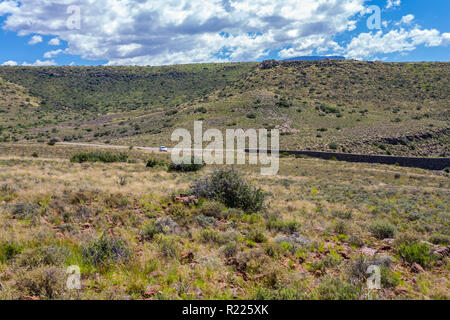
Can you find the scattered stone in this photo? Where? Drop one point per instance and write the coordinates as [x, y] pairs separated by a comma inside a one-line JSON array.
[[197, 291], [155, 274], [442, 251], [389, 241], [368, 251], [400, 290], [417, 268], [344, 255], [185, 199], [150, 291], [187, 257], [31, 298]]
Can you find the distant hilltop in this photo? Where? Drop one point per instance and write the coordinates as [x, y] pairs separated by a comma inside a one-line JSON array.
[[316, 58]]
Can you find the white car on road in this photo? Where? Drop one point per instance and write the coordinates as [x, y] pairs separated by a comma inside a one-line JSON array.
[[163, 149]]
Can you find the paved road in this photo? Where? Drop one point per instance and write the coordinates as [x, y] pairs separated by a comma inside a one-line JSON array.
[[109, 146], [105, 146]]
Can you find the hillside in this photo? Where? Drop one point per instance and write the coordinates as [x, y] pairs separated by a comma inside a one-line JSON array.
[[349, 106]]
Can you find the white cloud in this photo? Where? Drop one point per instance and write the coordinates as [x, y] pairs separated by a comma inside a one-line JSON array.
[[8, 7], [51, 54], [10, 63], [165, 32], [151, 32], [54, 42], [407, 19], [35, 39], [39, 63], [393, 3], [367, 45]]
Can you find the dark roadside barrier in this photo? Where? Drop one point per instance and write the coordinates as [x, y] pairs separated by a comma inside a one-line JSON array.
[[424, 163]]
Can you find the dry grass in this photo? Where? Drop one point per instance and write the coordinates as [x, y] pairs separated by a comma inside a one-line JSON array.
[[327, 202]]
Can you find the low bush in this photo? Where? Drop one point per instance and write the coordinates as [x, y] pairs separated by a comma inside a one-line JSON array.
[[106, 157], [186, 167], [43, 282], [104, 250], [42, 256], [24, 211], [336, 289], [230, 188], [169, 246], [440, 239], [288, 227], [416, 252], [8, 251], [382, 229], [213, 209], [164, 225], [151, 163]]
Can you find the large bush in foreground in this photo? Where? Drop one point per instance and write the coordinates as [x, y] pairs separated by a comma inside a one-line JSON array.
[[230, 188]]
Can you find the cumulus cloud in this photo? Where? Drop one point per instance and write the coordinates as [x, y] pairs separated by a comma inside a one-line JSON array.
[[393, 3], [407, 19], [10, 63], [39, 63], [368, 45], [8, 7], [153, 32], [54, 42], [51, 54], [163, 32], [35, 39]]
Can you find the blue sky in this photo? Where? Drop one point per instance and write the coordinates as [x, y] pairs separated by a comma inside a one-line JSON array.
[[139, 32]]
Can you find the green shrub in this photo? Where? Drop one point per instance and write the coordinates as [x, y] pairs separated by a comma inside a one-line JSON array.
[[389, 279], [52, 142], [164, 225], [210, 235], [230, 188], [213, 209], [155, 163], [288, 227], [336, 289], [333, 146], [107, 157], [440, 239], [40, 256], [104, 250], [256, 236], [8, 251], [186, 167], [24, 211], [169, 246], [416, 252], [43, 282], [382, 229], [341, 227]]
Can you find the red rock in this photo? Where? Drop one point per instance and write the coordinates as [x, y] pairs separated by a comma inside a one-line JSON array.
[[187, 257], [30, 298], [185, 199], [152, 290], [155, 274], [368, 251], [400, 290], [417, 268]]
